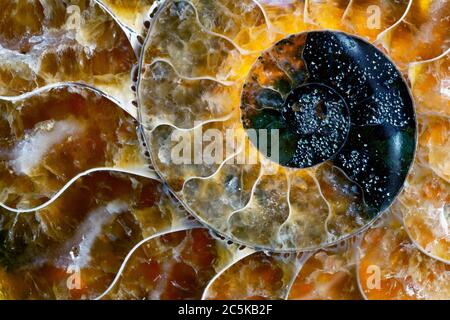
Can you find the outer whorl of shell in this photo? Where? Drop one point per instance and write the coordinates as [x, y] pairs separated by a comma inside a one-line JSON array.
[[74, 247], [390, 267], [257, 277], [175, 265], [51, 136], [344, 114], [68, 40], [328, 274], [425, 201]]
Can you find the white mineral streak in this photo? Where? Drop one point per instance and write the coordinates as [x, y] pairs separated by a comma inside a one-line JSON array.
[[49, 41], [444, 219], [445, 88], [91, 229], [165, 152], [13, 58], [156, 293], [438, 219], [30, 151], [214, 101]]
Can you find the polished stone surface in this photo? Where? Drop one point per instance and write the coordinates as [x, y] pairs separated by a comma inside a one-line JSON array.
[[391, 268], [106, 227], [74, 247], [67, 40], [52, 136], [197, 76]]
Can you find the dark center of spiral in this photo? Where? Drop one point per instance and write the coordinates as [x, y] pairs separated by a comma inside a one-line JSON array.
[[320, 119], [328, 97]]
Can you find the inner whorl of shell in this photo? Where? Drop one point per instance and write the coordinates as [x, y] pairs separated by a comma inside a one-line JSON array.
[[335, 97], [344, 154]]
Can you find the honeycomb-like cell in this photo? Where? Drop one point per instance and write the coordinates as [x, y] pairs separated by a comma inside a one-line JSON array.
[[44, 42], [328, 274], [370, 18], [74, 247], [424, 24], [424, 205], [50, 137], [391, 267], [327, 14], [256, 277], [426, 197], [285, 17], [344, 115], [430, 82], [173, 266], [366, 18]]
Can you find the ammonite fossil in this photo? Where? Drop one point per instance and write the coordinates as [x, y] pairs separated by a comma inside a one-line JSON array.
[[343, 116], [197, 149]]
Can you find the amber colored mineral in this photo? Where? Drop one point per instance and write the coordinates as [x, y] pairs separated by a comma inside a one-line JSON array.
[[50, 137], [391, 267], [74, 247], [54, 41]]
